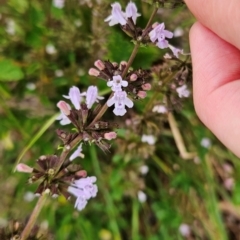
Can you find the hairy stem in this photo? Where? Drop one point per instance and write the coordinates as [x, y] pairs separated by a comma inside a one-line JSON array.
[[27, 230]]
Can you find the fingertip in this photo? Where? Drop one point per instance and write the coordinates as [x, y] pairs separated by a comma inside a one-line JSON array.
[[216, 84]]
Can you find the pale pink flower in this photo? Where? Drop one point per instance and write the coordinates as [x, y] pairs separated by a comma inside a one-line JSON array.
[[64, 107], [75, 97], [131, 11], [119, 100], [229, 183], [183, 91], [110, 135], [21, 167], [146, 86], [65, 110], [117, 83], [133, 77], [142, 94], [158, 35], [77, 153], [117, 15], [93, 72], [83, 189], [99, 64]]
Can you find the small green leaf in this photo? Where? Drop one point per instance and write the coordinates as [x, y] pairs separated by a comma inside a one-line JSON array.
[[10, 71]]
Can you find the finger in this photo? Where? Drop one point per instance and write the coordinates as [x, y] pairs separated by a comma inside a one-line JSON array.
[[221, 16], [216, 85]]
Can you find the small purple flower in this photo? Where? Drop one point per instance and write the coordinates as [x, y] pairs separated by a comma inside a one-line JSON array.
[[158, 35], [92, 96], [131, 11], [77, 153], [176, 51], [183, 91], [117, 15], [83, 189], [117, 83], [75, 96], [119, 100]]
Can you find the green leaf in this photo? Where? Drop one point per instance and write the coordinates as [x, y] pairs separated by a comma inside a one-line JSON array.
[[10, 71], [20, 6]]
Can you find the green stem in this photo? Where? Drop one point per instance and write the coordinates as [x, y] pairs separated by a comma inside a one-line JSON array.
[[111, 209], [149, 22], [27, 230]]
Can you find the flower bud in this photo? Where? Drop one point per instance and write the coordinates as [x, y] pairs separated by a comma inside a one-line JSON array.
[[155, 24], [115, 64], [124, 63], [64, 107], [110, 135], [133, 77], [93, 72], [142, 94], [81, 174], [99, 64], [146, 86], [21, 167]]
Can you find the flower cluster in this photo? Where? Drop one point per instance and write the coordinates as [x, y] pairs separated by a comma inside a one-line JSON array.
[[155, 33], [119, 17], [136, 82], [69, 179], [119, 98], [82, 117]]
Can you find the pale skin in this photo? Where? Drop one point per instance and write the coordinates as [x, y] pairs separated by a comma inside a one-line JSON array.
[[215, 49]]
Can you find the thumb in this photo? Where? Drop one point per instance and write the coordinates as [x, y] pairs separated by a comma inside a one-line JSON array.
[[216, 85], [221, 16]]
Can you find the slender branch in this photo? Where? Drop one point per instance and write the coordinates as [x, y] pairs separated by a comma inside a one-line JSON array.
[[151, 18], [27, 230], [130, 61]]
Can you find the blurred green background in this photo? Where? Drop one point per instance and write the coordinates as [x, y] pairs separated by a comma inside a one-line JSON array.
[[145, 191]]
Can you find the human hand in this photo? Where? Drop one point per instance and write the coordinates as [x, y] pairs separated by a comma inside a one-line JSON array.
[[215, 49]]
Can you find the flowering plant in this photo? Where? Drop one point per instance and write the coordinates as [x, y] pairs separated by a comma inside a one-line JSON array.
[[58, 174]]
